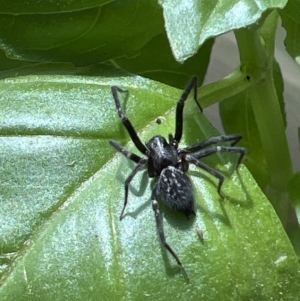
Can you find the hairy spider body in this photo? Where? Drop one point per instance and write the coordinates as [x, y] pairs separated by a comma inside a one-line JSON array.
[[161, 155], [176, 190], [165, 161]]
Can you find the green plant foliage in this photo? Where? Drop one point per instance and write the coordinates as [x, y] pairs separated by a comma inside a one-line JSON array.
[[61, 237], [291, 22], [190, 23], [156, 61], [237, 113], [294, 191], [48, 6], [85, 36], [62, 185]]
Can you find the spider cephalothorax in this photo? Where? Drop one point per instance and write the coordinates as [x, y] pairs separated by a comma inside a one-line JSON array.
[[169, 163]]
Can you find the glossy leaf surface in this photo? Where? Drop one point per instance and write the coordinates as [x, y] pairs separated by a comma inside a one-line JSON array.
[[190, 23], [62, 193], [83, 33]]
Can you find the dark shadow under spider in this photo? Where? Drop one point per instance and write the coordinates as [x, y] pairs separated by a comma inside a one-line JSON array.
[[169, 163]]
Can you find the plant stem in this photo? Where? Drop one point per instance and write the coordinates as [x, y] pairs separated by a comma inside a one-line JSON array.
[[229, 86], [256, 47]]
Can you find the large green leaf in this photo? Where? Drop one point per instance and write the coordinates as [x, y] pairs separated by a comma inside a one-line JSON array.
[[62, 193], [190, 23], [47, 6], [83, 34]]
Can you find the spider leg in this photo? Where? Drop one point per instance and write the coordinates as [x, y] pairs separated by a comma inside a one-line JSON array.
[[222, 149], [213, 140], [161, 232], [215, 173], [126, 122], [180, 106], [137, 168], [125, 152]]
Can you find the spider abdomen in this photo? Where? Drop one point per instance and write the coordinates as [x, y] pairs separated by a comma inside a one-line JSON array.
[[176, 190]]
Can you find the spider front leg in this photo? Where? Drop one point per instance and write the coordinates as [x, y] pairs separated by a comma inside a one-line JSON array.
[[129, 127], [180, 106], [222, 149], [161, 232], [210, 141]]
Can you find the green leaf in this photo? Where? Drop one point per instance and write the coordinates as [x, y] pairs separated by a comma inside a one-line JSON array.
[[47, 6], [12, 68], [190, 23], [83, 35], [291, 23], [62, 192]]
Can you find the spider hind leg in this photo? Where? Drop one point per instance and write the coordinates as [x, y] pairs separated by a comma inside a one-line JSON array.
[[161, 232]]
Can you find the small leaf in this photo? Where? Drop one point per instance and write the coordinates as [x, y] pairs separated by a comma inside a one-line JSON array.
[[294, 192], [291, 23]]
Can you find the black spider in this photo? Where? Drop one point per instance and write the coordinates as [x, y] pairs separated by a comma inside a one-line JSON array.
[[169, 163]]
